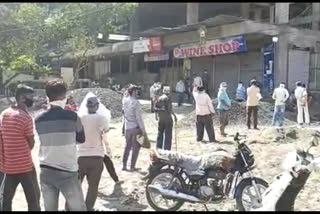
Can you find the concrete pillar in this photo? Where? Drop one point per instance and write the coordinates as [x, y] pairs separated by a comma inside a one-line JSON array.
[[245, 10], [315, 11], [134, 29], [192, 13], [271, 14], [257, 14], [281, 59], [282, 13]]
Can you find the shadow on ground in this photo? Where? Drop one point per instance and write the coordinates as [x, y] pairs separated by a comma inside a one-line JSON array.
[[119, 201]]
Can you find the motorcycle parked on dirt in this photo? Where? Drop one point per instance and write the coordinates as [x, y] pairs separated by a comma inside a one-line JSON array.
[[283, 191], [171, 182]]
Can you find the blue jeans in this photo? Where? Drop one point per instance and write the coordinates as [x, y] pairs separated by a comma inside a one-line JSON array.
[[55, 181], [180, 98], [278, 114]]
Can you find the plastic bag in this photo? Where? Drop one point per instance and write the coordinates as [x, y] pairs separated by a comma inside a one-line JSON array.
[[102, 110], [144, 141]]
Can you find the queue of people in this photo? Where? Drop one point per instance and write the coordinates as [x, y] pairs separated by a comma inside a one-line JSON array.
[[74, 142]]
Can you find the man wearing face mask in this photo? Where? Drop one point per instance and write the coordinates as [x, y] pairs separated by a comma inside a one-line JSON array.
[[224, 105], [59, 131], [280, 95], [16, 143], [91, 152], [164, 109], [134, 126]]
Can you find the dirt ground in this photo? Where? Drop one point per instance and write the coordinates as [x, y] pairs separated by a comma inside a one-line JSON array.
[[131, 195]]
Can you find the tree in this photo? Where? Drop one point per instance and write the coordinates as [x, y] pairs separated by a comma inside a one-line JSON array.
[[30, 32]]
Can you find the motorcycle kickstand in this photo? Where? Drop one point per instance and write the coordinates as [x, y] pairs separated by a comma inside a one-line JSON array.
[[205, 206]]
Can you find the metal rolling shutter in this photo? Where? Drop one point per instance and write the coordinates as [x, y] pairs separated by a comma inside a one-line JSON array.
[[227, 68], [298, 67]]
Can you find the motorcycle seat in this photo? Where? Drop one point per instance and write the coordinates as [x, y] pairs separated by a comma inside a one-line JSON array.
[[216, 159]]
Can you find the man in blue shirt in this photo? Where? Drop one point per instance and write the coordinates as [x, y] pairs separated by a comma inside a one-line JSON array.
[[241, 92], [224, 105]]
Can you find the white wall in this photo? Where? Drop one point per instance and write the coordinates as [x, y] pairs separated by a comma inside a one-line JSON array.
[[67, 75]]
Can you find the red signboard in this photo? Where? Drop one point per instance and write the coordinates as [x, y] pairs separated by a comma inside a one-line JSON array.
[[155, 44]]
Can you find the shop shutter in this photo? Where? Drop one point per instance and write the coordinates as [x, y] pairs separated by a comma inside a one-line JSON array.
[[227, 68], [298, 67], [199, 64]]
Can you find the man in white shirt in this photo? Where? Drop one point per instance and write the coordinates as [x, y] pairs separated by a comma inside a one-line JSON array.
[[253, 97], [152, 95], [180, 89], [197, 82], [280, 95], [204, 113], [91, 152], [302, 103]]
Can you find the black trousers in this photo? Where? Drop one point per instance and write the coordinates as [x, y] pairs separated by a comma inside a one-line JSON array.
[[252, 110], [91, 167], [205, 121], [152, 105], [110, 168], [30, 187], [164, 139]]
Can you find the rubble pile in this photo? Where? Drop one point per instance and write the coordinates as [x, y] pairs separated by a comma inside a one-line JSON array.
[[111, 99], [237, 114]]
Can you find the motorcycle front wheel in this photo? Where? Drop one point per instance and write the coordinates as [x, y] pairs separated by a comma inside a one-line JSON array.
[[156, 200], [246, 196]]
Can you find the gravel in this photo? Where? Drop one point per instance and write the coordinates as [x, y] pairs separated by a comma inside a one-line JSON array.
[[111, 99]]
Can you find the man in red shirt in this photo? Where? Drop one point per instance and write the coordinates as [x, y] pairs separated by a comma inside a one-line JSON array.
[[16, 143]]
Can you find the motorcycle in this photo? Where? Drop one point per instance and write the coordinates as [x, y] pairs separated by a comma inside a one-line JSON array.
[[283, 191], [175, 178]]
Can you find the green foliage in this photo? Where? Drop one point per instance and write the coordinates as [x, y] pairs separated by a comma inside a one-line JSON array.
[[27, 63], [46, 30]]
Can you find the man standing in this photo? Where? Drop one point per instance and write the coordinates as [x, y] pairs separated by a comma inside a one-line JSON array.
[[224, 105], [59, 131], [197, 82], [164, 110], [188, 88], [204, 113], [133, 126], [91, 152], [180, 89], [16, 143], [205, 80], [241, 92], [152, 95], [280, 95], [253, 93], [302, 104]]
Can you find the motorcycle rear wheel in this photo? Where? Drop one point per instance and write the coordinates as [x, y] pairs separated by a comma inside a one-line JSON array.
[[150, 197], [247, 183]]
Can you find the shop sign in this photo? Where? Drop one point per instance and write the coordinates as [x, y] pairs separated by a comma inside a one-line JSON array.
[[152, 44], [214, 47], [155, 44], [157, 56]]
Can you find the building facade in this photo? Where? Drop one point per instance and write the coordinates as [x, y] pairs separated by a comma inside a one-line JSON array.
[[204, 34]]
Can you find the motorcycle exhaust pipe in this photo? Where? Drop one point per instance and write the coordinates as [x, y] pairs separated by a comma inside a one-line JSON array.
[[173, 194]]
